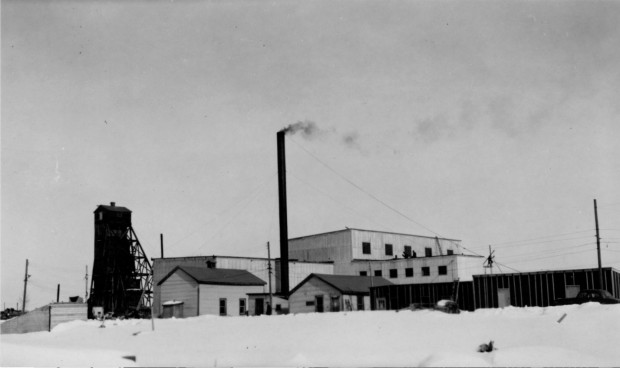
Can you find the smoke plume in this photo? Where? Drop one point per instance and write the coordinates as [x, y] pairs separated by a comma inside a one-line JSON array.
[[308, 129]]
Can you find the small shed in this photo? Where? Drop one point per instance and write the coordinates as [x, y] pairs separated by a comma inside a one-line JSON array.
[[172, 308], [215, 291], [333, 293]]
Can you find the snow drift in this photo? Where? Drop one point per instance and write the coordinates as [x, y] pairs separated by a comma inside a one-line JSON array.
[[587, 336]]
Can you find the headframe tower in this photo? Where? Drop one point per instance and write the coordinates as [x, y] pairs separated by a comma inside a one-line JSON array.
[[122, 280]]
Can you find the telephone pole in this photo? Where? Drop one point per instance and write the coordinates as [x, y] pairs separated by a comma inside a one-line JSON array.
[[26, 276], [86, 286], [269, 268], [598, 248]]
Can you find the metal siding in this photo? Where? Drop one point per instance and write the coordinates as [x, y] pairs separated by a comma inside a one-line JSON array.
[[379, 239], [334, 247]]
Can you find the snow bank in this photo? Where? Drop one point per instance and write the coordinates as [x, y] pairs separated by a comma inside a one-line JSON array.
[[588, 336]]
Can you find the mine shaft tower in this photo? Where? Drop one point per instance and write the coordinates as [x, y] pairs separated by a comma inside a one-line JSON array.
[[122, 280]]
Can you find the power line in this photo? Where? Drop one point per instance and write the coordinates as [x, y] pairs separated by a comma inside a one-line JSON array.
[[363, 190], [333, 199], [543, 237], [218, 215], [234, 217]]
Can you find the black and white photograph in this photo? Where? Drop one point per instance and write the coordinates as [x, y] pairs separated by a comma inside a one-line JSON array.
[[325, 183]]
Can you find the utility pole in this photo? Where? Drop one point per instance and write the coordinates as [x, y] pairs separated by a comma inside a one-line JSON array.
[[598, 247], [161, 242], [269, 268], [489, 261], [58, 294], [86, 286], [26, 276]]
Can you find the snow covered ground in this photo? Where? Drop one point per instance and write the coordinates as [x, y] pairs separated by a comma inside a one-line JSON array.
[[589, 335]]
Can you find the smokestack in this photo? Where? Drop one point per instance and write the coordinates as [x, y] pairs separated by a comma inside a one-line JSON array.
[[284, 281], [112, 204]]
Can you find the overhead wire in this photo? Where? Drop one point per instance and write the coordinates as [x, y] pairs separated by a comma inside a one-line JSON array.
[[234, 217], [227, 209]]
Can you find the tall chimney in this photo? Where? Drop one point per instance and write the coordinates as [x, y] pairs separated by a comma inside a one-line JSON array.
[[284, 282]]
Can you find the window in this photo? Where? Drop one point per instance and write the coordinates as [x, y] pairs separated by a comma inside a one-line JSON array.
[[366, 248], [389, 250], [222, 306], [450, 252], [310, 303], [393, 273], [428, 252], [363, 273], [378, 273], [360, 302], [242, 308], [407, 251], [426, 271], [443, 270], [278, 307], [409, 272]]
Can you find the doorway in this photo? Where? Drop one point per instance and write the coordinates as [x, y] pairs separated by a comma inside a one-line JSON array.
[[318, 305], [259, 306], [503, 297]]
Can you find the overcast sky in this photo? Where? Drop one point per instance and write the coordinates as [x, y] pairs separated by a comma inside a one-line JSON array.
[[496, 123]]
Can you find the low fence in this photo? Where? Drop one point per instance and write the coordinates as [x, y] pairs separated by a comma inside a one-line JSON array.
[[45, 318]]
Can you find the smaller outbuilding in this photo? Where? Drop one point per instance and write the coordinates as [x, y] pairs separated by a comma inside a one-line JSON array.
[[215, 291], [333, 293]]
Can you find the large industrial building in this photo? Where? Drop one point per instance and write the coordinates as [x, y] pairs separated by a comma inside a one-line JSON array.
[[355, 253], [400, 258]]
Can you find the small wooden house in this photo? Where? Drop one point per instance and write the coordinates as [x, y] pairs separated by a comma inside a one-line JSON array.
[[333, 293], [215, 291]]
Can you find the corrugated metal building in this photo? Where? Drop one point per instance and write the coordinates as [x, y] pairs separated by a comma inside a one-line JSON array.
[[499, 290], [204, 290], [540, 288], [397, 297], [333, 293]]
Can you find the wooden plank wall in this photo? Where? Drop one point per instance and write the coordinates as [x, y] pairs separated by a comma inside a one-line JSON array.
[[307, 293], [66, 312], [33, 321], [179, 286], [210, 296]]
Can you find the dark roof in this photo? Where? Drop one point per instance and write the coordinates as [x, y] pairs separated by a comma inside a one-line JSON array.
[[217, 276], [348, 284], [112, 208]]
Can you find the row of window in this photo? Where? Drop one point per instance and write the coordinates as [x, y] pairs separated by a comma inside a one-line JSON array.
[[224, 307], [407, 252], [426, 271], [335, 303]]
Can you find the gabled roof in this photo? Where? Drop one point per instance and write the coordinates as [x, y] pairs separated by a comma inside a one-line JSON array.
[[347, 284], [217, 276], [112, 208]]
